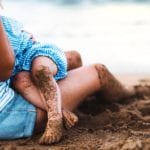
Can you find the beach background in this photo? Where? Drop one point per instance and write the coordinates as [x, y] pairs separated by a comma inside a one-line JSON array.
[[113, 32]]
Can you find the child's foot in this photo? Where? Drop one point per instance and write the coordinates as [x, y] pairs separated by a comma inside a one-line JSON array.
[[53, 132], [69, 118]]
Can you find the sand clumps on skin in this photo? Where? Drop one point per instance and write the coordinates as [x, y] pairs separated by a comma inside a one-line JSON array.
[[56, 115], [118, 126]]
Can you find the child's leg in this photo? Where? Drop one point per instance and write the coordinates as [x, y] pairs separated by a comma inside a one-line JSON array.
[[47, 89], [43, 70], [23, 84]]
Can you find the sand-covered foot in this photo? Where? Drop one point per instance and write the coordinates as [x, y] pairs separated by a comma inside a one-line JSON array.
[[53, 132], [69, 118], [142, 90]]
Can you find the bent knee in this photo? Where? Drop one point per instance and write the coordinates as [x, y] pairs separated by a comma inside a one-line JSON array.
[[21, 80], [74, 59], [45, 63]]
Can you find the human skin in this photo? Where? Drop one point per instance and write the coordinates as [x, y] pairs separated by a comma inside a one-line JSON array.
[[43, 71], [79, 84], [52, 99], [6, 55]]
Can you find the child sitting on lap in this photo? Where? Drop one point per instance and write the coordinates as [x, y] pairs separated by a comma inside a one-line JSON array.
[[47, 64]]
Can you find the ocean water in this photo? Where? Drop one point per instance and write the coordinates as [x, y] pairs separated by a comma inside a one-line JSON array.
[[114, 33]]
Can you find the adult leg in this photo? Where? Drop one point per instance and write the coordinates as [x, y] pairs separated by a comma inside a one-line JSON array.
[[47, 91], [87, 80], [79, 84]]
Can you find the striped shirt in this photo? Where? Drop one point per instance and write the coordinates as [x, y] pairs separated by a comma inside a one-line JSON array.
[[26, 50], [6, 94]]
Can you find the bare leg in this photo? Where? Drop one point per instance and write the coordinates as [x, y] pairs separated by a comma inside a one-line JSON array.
[[43, 77], [25, 86], [73, 59], [46, 96], [87, 80], [83, 82], [49, 93]]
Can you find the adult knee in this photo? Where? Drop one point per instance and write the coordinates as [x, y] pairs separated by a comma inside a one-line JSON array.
[[21, 81]]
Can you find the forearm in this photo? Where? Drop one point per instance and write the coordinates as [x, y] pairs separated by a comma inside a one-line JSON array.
[[6, 55]]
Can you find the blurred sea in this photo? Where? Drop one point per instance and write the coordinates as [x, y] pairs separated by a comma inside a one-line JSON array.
[[113, 32]]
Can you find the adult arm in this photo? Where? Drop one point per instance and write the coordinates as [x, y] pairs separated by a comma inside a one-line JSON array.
[[7, 59]]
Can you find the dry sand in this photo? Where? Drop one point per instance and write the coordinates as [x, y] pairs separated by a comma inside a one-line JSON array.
[[119, 126]]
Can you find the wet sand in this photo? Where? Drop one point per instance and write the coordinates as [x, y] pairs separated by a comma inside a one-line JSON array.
[[119, 126]]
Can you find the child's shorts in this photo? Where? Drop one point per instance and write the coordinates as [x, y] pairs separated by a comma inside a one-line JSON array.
[[17, 119], [33, 50]]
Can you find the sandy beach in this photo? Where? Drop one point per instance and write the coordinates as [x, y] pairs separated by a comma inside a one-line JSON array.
[[118, 126], [117, 35]]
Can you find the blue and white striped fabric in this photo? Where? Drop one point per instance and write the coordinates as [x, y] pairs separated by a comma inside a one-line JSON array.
[[6, 94], [25, 51]]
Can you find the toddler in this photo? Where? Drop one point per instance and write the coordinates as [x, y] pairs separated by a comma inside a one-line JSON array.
[[47, 64]]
